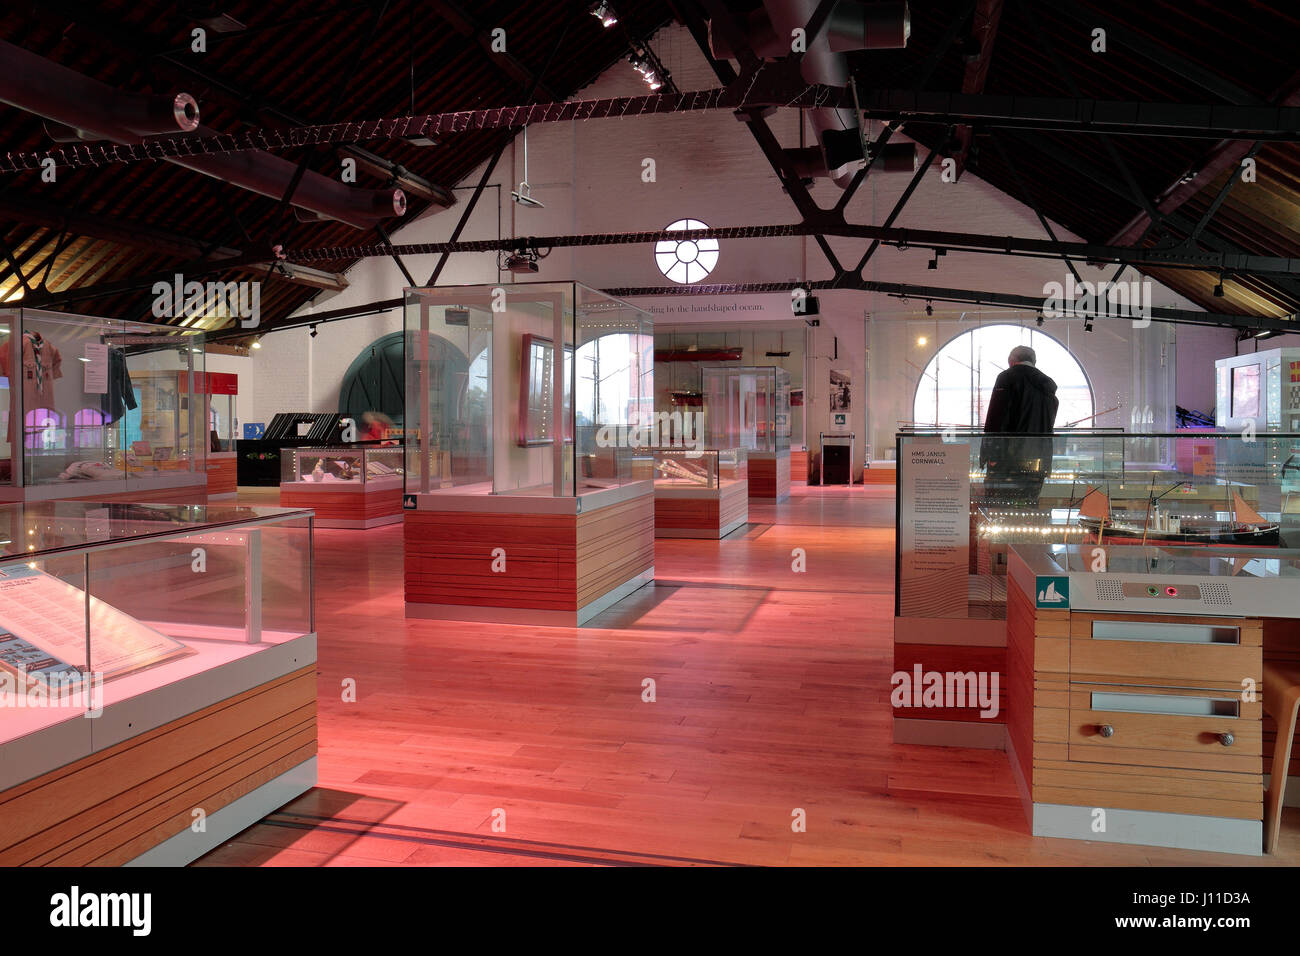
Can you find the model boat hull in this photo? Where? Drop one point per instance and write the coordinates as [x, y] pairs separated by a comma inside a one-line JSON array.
[[1269, 535]]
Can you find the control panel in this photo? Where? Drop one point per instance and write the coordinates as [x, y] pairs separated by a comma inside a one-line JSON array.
[[1186, 592]]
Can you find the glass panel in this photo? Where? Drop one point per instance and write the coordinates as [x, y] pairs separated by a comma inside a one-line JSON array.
[[46, 527], [449, 407], [45, 671], [1199, 488], [285, 563], [491, 410], [613, 390], [8, 436], [705, 469], [107, 401]]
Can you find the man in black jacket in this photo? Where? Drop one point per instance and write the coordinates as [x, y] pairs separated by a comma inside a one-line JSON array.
[[1017, 445]]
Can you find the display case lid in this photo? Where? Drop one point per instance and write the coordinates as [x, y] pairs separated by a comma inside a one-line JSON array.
[[40, 529]]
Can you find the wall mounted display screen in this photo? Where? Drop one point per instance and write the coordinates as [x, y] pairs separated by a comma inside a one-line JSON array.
[[1245, 391]]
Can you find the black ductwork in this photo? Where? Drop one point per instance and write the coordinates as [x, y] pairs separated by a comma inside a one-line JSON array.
[[79, 108], [851, 26]]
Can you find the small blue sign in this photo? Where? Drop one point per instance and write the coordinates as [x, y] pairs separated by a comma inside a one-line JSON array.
[[1053, 591], [254, 430]]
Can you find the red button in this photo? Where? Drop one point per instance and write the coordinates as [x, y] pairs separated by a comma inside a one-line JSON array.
[[1172, 591]]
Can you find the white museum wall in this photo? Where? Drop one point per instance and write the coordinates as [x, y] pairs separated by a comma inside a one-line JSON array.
[[708, 167]]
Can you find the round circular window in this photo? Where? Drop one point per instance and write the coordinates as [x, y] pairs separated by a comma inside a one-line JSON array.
[[689, 260]]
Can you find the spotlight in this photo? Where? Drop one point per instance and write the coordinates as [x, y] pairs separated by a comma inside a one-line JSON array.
[[312, 332], [921, 340], [929, 309], [604, 13], [934, 263], [1218, 289], [1039, 321], [1087, 324], [256, 343], [641, 63]]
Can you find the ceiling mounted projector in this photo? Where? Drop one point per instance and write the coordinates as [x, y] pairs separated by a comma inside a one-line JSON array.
[[521, 262]]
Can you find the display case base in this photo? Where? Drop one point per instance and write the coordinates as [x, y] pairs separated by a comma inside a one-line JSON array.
[[107, 791], [222, 474], [701, 513], [1180, 831], [527, 559], [950, 733], [187, 846], [506, 615], [339, 505], [769, 474]]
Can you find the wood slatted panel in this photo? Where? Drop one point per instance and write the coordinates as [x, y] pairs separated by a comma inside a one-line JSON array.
[[959, 659], [879, 476], [222, 476], [346, 504], [614, 544], [704, 514], [449, 559], [690, 513], [799, 464], [734, 505], [112, 806], [769, 477], [1021, 701]]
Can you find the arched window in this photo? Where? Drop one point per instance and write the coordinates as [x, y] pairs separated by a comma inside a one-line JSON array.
[[955, 386], [88, 428], [43, 429]]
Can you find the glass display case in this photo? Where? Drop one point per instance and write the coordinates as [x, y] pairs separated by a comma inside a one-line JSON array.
[[528, 411], [965, 500], [1259, 390], [490, 410], [354, 486], [105, 406], [185, 630], [746, 407], [749, 407], [1197, 489], [700, 493], [704, 470], [359, 465]]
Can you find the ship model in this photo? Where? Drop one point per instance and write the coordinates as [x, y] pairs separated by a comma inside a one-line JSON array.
[[1244, 527]]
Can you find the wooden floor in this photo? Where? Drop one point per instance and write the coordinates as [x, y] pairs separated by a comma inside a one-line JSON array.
[[771, 694]]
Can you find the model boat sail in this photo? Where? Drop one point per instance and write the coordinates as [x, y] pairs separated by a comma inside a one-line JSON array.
[[1094, 511], [1245, 526]]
